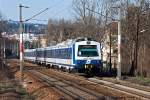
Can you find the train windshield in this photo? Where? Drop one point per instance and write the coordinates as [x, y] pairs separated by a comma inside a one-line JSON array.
[[87, 51]]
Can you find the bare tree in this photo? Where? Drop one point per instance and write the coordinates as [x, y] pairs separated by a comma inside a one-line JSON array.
[[135, 29], [85, 18]]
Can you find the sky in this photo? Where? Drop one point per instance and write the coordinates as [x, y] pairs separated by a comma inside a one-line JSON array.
[[58, 9]]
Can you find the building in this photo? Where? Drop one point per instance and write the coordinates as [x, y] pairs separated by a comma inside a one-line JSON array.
[[26, 37], [43, 40]]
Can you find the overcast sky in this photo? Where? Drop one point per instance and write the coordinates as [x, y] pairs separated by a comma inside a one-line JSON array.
[[58, 9]]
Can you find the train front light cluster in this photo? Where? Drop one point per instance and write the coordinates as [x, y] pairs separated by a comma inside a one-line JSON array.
[[88, 66]]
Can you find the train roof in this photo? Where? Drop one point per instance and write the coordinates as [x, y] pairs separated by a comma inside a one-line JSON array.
[[64, 44], [29, 50], [70, 42], [40, 48], [84, 39]]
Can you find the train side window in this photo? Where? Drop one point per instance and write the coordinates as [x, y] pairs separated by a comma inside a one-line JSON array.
[[51, 53], [68, 54], [64, 53], [60, 53], [47, 53]]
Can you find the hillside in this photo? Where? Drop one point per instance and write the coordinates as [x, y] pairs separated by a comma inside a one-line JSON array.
[[13, 26]]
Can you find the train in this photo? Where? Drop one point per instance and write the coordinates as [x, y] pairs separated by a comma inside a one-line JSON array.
[[81, 55]]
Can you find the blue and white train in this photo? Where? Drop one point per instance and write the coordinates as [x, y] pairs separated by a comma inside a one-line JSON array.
[[82, 55]]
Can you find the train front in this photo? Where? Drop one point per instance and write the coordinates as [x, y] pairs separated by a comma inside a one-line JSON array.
[[87, 56]]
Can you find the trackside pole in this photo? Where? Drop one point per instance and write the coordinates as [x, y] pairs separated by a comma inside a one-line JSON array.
[[119, 46], [21, 44]]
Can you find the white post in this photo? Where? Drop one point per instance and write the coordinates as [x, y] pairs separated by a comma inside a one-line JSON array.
[[119, 46], [21, 44]]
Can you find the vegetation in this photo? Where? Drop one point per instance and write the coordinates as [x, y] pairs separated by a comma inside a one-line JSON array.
[[6, 87], [139, 80], [93, 18]]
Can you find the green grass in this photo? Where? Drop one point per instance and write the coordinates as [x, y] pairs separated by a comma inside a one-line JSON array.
[[10, 86], [142, 80]]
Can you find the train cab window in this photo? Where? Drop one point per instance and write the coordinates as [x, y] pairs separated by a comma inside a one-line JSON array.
[[87, 51]]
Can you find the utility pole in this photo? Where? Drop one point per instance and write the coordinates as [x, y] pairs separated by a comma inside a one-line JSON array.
[[4, 51], [1, 51], [119, 45], [21, 44], [4, 46], [17, 47], [110, 49]]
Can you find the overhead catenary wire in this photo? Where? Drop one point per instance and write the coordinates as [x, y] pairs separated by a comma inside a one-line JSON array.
[[31, 18], [99, 13], [39, 20], [37, 14]]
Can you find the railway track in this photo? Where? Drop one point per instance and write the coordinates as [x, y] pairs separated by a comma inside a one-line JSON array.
[[77, 87], [126, 89], [137, 92], [69, 89], [125, 83]]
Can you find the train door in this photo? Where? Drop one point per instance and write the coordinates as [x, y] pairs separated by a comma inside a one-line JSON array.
[[44, 50]]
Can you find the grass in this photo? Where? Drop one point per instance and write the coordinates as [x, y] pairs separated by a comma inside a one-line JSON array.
[[142, 80], [5, 85], [14, 87]]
